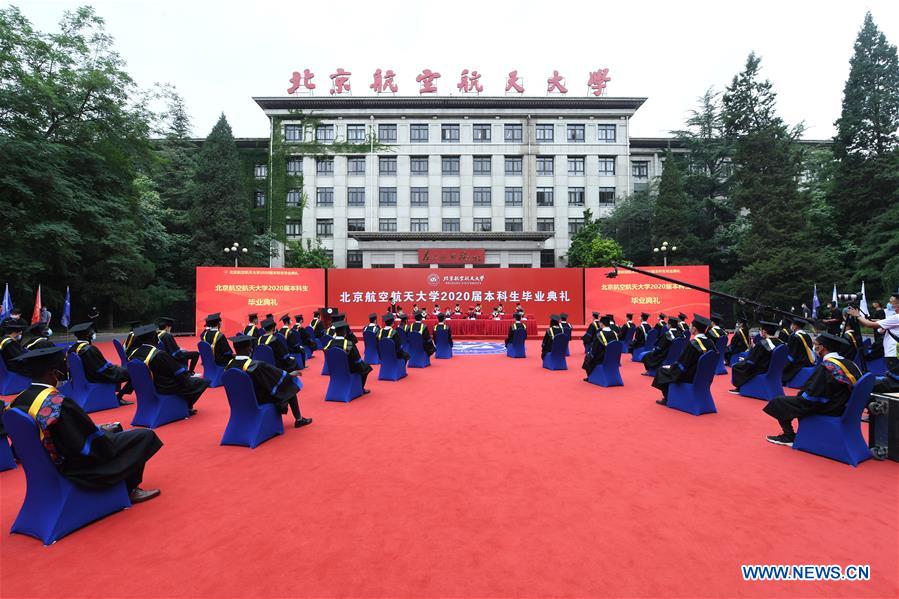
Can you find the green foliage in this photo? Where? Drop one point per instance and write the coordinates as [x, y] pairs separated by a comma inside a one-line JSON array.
[[630, 224], [677, 216], [310, 256], [590, 248]]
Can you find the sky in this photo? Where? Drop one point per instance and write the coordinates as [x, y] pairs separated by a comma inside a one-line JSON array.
[[221, 54]]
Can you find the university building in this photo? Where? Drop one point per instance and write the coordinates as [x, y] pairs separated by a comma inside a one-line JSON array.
[[376, 179]]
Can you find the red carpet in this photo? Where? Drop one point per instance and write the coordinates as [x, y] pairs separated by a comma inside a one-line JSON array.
[[478, 477]]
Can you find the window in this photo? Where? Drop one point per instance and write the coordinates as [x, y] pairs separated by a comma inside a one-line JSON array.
[[324, 227], [294, 229], [324, 134], [546, 225], [354, 258], [451, 225], [387, 165], [324, 196], [419, 196], [483, 224], [418, 134], [260, 171], [482, 196], [512, 133], [387, 225], [575, 165], [544, 196], [640, 170], [293, 133], [355, 133], [418, 225], [605, 133], [514, 225], [449, 133], [355, 196], [547, 258], [418, 165], [576, 196], [387, 133], [355, 224], [293, 197], [575, 225], [449, 196], [606, 166], [355, 166], [606, 195], [294, 165], [513, 196], [576, 134], [387, 196], [259, 199], [329, 254], [482, 165], [324, 166], [513, 165], [545, 133], [481, 133], [545, 165], [450, 165]]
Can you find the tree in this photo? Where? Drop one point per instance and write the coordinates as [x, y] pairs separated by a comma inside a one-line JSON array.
[[309, 257], [677, 217], [630, 224], [589, 248]]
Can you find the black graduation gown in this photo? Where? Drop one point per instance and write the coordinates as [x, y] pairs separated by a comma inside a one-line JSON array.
[[783, 334], [654, 358], [271, 384], [512, 328], [221, 349], [283, 359], [826, 391], [390, 333], [757, 361], [590, 333], [853, 344], [449, 333], [10, 349], [306, 339], [427, 342], [799, 355], [168, 343], [354, 358], [640, 334], [97, 369], [294, 340], [111, 457], [616, 329], [318, 328], [715, 332], [169, 376], [129, 340], [598, 349], [739, 343], [251, 330], [548, 336], [567, 328], [39, 343], [684, 368], [627, 326]]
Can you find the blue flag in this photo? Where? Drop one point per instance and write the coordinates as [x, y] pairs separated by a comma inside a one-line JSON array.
[[815, 303], [6, 308], [67, 310]]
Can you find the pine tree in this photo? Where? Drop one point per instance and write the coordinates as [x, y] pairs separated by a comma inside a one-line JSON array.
[[676, 216], [630, 224]]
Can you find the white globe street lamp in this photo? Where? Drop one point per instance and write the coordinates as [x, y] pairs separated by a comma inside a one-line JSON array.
[[236, 249], [664, 249]]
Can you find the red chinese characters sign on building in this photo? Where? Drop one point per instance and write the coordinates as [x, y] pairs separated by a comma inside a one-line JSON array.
[[450, 256]]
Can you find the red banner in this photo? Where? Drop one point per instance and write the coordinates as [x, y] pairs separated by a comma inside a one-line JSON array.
[[636, 293], [236, 292], [541, 291], [450, 256]]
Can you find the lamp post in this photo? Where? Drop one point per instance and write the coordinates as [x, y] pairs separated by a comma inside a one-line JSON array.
[[664, 249], [235, 249]]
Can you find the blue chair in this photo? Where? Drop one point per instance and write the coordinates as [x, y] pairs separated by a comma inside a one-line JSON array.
[[628, 337], [608, 373], [555, 359], [325, 339], [92, 397], [650, 343], [344, 385], [721, 345], [300, 359], [120, 351], [768, 385], [12, 383], [371, 348], [308, 353], [54, 506], [7, 460], [153, 409], [250, 423], [418, 358], [801, 377], [568, 345], [674, 352], [736, 357], [839, 437], [404, 338], [263, 353], [877, 366], [441, 342], [392, 368], [696, 397], [516, 348], [211, 370]]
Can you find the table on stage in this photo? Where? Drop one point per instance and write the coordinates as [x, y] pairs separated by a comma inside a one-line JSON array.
[[483, 326]]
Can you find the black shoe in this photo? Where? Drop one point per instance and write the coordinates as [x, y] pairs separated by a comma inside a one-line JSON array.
[[139, 495], [734, 391], [125, 402], [586, 379], [782, 439], [662, 402], [366, 391], [191, 412], [302, 422], [646, 374]]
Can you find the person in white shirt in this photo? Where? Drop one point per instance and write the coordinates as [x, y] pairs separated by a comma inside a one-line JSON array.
[[890, 326]]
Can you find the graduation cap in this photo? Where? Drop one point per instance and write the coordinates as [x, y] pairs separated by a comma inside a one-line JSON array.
[[629, 315], [298, 317], [214, 318], [644, 315], [11, 325], [832, 342], [672, 320], [165, 321], [241, 340], [716, 318], [419, 315], [595, 315], [268, 323], [85, 328], [38, 329], [252, 316], [387, 318], [605, 319], [41, 361], [682, 316], [133, 323], [143, 331], [286, 318], [662, 316], [316, 313], [340, 323], [701, 323], [564, 316], [372, 317], [554, 317], [270, 315], [769, 327]]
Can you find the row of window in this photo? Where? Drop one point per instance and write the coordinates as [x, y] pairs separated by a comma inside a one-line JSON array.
[[354, 260], [450, 196], [324, 227], [451, 133]]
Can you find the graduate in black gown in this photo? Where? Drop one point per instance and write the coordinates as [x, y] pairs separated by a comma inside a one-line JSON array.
[[628, 325], [554, 329], [826, 392], [332, 330], [597, 352], [653, 359], [372, 325], [129, 338], [221, 350], [715, 331], [799, 346], [11, 346], [422, 329], [388, 332], [97, 369], [87, 455], [759, 357], [783, 330], [271, 384], [684, 368], [739, 341], [167, 342], [37, 336], [566, 326], [252, 329], [170, 377], [516, 324], [278, 343], [354, 358], [682, 324], [318, 328], [641, 333], [294, 336], [661, 325], [590, 333]]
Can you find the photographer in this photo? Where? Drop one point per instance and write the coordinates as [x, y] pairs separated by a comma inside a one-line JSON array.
[[890, 326]]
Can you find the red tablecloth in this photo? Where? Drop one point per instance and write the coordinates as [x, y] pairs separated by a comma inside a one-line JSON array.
[[484, 327]]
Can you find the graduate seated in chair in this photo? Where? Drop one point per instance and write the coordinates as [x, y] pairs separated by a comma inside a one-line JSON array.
[[684, 369], [88, 455], [566, 326], [170, 377], [167, 341], [590, 334], [252, 329], [715, 331], [11, 346], [129, 338], [221, 351], [799, 348], [38, 336], [554, 329], [272, 385], [283, 359], [640, 334], [297, 335], [653, 359], [354, 358], [97, 369], [516, 324], [372, 326], [739, 342], [826, 392], [422, 329], [318, 328], [758, 359], [628, 325], [442, 326], [388, 332], [597, 351], [348, 334]]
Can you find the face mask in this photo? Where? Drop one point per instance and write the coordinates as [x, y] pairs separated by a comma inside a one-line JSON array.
[[93, 336]]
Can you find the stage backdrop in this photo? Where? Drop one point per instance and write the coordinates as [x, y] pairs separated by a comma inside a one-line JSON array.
[[541, 291], [236, 292], [635, 293]]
